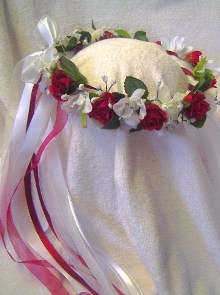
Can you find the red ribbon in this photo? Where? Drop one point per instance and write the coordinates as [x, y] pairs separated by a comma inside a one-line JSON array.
[[40, 267]]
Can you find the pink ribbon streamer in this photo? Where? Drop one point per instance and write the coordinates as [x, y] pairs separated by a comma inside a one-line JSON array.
[[40, 267], [40, 271], [48, 245], [46, 213], [60, 123]]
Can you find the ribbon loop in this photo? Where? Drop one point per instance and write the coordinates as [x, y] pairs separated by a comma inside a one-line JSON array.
[[47, 29], [36, 62]]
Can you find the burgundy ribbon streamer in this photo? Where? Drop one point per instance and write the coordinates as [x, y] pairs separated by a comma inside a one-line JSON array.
[[53, 284], [40, 267], [47, 244], [46, 213], [36, 266]]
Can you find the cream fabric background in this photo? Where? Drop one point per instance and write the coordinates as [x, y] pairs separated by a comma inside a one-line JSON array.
[[198, 21]]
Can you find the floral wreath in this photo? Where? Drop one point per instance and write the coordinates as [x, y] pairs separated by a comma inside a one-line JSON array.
[[58, 76], [53, 80]]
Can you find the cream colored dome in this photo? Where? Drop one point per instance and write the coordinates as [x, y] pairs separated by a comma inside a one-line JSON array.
[[118, 58]]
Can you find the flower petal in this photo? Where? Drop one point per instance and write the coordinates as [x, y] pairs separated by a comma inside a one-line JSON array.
[[87, 108], [133, 121], [120, 105], [137, 94], [178, 43], [142, 112], [211, 94], [192, 81], [186, 50], [80, 99], [168, 44], [127, 113]]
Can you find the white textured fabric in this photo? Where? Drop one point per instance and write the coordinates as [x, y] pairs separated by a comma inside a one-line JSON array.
[[119, 58], [157, 197]]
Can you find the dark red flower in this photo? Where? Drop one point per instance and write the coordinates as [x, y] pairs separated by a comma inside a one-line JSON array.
[[198, 106], [154, 119], [60, 82], [193, 57], [158, 43], [213, 83], [172, 53], [100, 108], [107, 35]]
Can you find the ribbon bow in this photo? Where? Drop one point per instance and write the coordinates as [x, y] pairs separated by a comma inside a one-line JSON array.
[[36, 62]]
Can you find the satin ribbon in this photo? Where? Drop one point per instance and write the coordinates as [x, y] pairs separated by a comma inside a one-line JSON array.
[[48, 29], [24, 150], [37, 127], [89, 267], [43, 237], [34, 264], [54, 182], [35, 62]]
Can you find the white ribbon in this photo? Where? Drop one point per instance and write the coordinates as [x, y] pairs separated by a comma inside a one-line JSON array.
[[23, 144], [68, 228], [48, 29], [36, 62], [21, 149]]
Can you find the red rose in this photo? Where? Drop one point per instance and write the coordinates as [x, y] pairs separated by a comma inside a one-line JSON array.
[[60, 82], [154, 119], [213, 83], [158, 43], [193, 57], [107, 35], [100, 108], [198, 106]]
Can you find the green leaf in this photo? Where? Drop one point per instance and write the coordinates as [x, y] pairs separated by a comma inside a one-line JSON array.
[[131, 84], [85, 36], [60, 48], [71, 70], [204, 82], [122, 33], [141, 35], [72, 88], [83, 119], [198, 85], [208, 76], [199, 123], [118, 95], [92, 94], [93, 26], [198, 68], [72, 42], [186, 104], [113, 123]]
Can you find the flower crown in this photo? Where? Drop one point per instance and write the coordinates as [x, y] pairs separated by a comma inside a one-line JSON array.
[[55, 73], [40, 185]]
